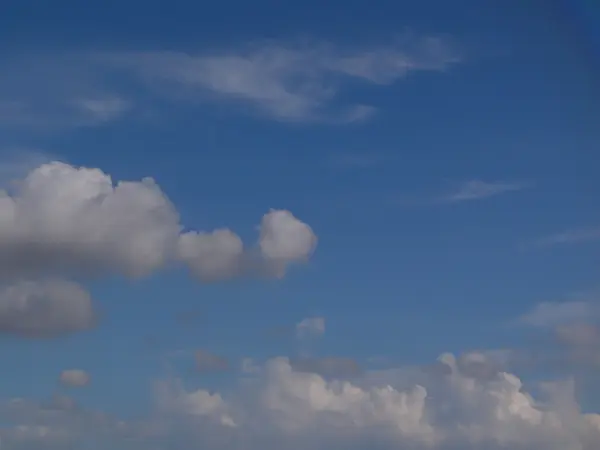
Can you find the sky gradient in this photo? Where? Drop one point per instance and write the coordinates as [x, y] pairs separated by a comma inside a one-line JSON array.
[[341, 224]]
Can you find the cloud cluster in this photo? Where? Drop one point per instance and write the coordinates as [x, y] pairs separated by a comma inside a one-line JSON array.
[[404, 408], [63, 221]]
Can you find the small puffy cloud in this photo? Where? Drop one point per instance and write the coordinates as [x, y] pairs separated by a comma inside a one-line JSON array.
[[74, 378], [284, 240], [65, 219], [45, 308], [311, 327], [206, 361]]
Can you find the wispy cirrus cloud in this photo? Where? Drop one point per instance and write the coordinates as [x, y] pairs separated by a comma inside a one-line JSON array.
[[572, 236], [466, 191], [56, 91], [289, 82], [285, 82], [479, 189]]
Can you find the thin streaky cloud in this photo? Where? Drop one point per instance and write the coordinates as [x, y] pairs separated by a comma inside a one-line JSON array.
[[102, 109], [294, 83], [281, 81], [573, 236], [471, 190], [62, 113], [60, 90], [478, 189]]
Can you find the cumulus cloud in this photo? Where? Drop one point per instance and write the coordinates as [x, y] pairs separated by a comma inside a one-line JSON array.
[[400, 408], [284, 240], [65, 219], [74, 378], [441, 412], [45, 308]]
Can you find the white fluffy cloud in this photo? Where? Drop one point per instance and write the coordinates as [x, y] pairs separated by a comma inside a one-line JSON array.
[[61, 220], [45, 308], [76, 220], [400, 408], [418, 411]]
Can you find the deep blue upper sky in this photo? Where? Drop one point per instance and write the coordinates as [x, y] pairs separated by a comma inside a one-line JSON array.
[[410, 274]]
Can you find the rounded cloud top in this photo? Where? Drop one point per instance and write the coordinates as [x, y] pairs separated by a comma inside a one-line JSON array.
[[66, 219]]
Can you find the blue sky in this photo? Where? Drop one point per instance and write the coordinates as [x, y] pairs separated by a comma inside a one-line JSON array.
[[443, 158]]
